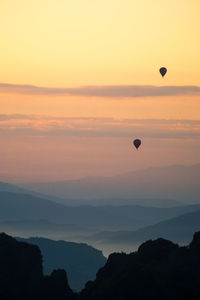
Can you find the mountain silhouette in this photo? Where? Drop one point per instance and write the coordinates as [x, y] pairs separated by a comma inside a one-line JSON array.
[[21, 275], [177, 182], [28, 210], [80, 261], [159, 269], [179, 229], [116, 201], [7, 187]]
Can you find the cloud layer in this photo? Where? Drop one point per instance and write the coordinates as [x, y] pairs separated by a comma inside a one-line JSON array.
[[118, 91], [37, 125]]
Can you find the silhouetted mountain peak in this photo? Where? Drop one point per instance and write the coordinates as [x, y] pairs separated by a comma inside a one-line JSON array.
[[80, 261], [195, 244], [159, 269], [157, 249], [6, 238], [57, 286], [21, 275]]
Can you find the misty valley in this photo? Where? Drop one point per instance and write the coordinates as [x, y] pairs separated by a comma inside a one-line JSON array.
[[78, 235]]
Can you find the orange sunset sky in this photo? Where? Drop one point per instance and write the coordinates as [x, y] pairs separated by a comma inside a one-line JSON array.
[[79, 80]]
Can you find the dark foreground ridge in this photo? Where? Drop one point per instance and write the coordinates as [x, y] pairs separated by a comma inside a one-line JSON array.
[[80, 261], [159, 270], [21, 275]]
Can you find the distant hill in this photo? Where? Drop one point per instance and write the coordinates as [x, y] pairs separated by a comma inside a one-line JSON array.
[[159, 270], [150, 202], [23, 208], [41, 228], [12, 188], [80, 261], [171, 182], [16, 206], [178, 229], [6, 187]]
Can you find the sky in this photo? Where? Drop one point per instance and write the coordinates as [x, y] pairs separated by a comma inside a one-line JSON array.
[[79, 80]]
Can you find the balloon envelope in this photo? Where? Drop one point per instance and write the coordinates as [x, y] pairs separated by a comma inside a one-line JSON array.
[[137, 143], [163, 71]]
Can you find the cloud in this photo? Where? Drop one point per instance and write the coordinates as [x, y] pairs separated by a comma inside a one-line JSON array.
[[4, 117], [38, 125], [112, 91]]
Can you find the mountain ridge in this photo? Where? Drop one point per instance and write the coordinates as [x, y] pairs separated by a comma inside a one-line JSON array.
[[28, 207], [177, 229], [80, 261], [178, 182], [159, 269]]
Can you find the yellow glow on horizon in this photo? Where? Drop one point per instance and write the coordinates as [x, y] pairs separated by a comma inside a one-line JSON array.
[[181, 107], [70, 43]]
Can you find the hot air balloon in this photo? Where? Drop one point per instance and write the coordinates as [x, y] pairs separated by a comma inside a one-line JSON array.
[[137, 143], [163, 71]]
